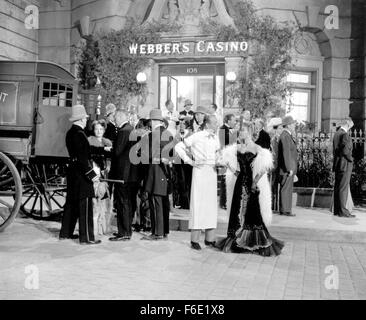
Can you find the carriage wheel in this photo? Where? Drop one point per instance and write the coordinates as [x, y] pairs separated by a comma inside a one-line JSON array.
[[10, 191], [44, 191]]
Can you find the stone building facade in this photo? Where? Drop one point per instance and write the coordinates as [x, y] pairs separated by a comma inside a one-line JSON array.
[[329, 71]]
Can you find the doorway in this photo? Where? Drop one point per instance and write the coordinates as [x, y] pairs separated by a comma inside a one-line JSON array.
[[203, 84]]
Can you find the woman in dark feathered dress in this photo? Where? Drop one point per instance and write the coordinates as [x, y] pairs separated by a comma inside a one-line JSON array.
[[251, 205]]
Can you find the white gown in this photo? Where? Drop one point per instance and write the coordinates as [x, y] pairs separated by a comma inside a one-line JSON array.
[[203, 203]]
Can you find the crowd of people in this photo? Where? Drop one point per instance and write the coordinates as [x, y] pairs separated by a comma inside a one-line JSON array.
[[139, 169]]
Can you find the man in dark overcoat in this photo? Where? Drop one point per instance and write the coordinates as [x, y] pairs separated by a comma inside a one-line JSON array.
[[122, 169], [287, 164], [342, 166], [157, 183], [80, 177]]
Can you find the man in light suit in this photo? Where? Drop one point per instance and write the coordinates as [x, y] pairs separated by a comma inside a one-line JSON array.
[[287, 164], [342, 166]]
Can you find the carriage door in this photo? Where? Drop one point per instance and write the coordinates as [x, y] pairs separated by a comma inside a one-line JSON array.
[[55, 99]]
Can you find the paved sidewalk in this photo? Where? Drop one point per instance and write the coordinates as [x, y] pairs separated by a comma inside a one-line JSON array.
[[171, 270]]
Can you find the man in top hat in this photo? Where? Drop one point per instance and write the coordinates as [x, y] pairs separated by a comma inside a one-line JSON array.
[[287, 164], [274, 129], [122, 169], [80, 178], [111, 130], [342, 166], [157, 183]]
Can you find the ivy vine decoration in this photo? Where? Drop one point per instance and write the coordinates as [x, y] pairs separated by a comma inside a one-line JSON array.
[[261, 86], [108, 57]]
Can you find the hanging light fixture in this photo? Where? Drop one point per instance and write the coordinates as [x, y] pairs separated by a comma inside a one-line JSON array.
[[231, 76], [141, 77]]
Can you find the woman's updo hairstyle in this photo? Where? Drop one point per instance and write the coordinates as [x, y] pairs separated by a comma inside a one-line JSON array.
[[101, 122]]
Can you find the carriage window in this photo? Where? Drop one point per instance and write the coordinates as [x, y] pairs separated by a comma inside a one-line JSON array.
[[57, 94], [8, 102]]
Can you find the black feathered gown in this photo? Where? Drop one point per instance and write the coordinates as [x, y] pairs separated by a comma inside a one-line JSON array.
[[246, 230]]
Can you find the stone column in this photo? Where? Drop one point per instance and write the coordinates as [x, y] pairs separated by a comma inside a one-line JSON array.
[[336, 83]]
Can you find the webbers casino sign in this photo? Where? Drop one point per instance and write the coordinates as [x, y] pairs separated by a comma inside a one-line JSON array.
[[206, 48]]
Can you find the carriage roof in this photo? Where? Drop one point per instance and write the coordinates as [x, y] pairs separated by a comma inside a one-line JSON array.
[[37, 68]]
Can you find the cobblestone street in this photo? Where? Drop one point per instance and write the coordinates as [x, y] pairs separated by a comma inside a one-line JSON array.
[[171, 270]]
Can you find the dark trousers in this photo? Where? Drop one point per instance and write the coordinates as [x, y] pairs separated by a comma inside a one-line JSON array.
[[222, 192], [341, 185], [286, 188], [275, 191], [159, 210], [78, 209], [126, 203]]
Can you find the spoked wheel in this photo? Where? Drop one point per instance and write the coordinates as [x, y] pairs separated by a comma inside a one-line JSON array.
[[44, 191], [10, 191]]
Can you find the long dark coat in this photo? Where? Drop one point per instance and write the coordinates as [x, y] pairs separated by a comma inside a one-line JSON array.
[[158, 176], [121, 167], [79, 186]]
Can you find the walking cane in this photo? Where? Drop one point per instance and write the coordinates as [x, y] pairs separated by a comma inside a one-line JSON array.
[[113, 181]]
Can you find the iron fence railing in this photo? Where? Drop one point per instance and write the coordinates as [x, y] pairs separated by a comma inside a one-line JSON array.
[[315, 161]]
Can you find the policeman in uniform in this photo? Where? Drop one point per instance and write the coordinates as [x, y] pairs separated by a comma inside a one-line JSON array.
[[80, 178]]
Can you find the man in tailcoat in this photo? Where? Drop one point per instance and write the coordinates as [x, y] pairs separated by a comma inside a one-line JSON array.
[[263, 140], [342, 166], [287, 164], [227, 136], [80, 178], [157, 183], [122, 169]]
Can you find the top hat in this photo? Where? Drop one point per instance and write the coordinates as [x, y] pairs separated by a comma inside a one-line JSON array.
[[155, 114], [110, 108], [188, 102], [274, 122], [288, 120], [201, 110], [78, 113]]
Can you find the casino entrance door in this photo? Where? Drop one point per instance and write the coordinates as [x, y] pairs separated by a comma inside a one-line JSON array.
[[203, 84]]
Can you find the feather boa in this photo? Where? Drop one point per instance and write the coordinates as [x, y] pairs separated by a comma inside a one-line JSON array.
[[263, 162]]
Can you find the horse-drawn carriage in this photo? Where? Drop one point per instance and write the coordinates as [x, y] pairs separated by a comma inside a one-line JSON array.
[[35, 102]]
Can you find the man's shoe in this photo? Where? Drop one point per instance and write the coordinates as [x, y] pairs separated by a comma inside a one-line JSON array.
[[73, 237], [210, 243], [120, 238], [91, 242], [195, 246], [289, 214], [152, 237]]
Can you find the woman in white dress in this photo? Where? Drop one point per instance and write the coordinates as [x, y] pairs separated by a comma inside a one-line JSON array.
[[203, 146]]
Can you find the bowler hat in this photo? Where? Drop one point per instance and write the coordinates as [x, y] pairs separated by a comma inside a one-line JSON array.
[[110, 108], [288, 120], [274, 122], [201, 110], [155, 114], [188, 103], [78, 113]]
